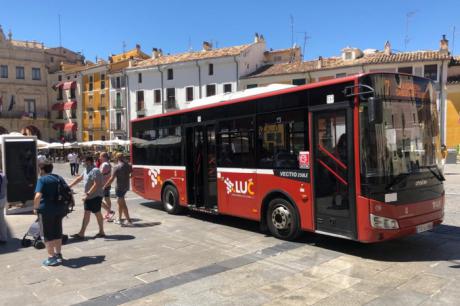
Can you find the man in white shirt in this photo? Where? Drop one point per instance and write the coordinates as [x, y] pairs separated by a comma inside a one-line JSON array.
[[72, 158]]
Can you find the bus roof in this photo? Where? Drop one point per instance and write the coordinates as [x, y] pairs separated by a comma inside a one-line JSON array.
[[251, 94]]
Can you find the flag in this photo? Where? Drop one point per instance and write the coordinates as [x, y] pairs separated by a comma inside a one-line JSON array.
[[10, 107]]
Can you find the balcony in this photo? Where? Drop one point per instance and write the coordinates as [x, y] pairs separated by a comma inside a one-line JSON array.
[[24, 115]]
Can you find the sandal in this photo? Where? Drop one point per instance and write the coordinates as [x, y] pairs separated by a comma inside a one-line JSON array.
[[77, 237], [99, 235]]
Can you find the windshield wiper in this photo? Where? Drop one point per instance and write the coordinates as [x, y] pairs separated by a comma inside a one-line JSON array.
[[438, 175], [396, 180]]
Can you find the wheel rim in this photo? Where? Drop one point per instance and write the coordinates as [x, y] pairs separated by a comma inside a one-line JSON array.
[[170, 200], [281, 218]]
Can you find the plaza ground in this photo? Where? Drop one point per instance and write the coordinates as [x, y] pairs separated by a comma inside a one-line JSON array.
[[201, 259]]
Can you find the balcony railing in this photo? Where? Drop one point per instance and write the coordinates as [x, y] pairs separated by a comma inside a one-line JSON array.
[[24, 115]]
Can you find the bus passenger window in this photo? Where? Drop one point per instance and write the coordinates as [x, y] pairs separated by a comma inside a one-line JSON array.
[[235, 143], [280, 138]]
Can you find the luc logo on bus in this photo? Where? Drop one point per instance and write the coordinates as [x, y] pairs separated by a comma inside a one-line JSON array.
[[240, 187]]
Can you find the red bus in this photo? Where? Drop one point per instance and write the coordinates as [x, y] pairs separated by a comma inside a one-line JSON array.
[[355, 157]]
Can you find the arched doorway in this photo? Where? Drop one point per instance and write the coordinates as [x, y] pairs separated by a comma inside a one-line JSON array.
[[31, 130], [3, 130]]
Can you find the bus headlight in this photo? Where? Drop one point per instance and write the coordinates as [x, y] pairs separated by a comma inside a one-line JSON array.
[[383, 222]]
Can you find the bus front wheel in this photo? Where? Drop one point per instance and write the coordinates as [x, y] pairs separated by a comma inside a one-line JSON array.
[[283, 219], [171, 200]]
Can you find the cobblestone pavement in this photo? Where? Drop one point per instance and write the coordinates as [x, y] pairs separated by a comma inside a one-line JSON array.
[[217, 260]]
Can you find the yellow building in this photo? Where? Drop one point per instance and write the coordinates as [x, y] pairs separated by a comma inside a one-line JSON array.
[[453, 104], [95, 94]]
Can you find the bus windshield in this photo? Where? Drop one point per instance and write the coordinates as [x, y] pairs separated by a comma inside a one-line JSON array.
[[400, 136]]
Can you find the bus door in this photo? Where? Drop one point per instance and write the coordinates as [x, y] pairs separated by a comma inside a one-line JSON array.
[[201, 165], [333, 175]]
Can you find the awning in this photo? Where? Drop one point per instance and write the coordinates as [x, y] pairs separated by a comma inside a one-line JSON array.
[[58, 106], [57, 85], [69, 85], [70, 105], [58, 126], [70, 127]]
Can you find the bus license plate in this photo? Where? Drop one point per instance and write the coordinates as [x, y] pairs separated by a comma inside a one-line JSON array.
[[424, 227]]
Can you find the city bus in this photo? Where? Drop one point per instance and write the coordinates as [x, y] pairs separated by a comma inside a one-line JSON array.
[[355, 157]]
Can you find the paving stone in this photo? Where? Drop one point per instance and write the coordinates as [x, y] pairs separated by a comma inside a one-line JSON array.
[[399, 297], [346, 297], [424, 283]]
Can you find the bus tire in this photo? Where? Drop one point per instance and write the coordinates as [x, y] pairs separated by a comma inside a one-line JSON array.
[[282, 219], [171, 200]]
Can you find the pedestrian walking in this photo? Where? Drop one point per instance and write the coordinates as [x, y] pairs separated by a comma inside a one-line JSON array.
[[77, 163], [92, 180], [106, 170], [121, 172], [72, 158], [3, 229], [50, 212]]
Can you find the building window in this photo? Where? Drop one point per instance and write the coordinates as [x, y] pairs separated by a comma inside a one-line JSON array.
[[431, 72], [102, 137], [52, 59], [348, 55], [36, 75], [4, 71], [118, 82], [20, 72], [170, 74], [118, 121], [210, 90], [73, 114], [249, 86], [60, 115], [72, 93], [407, 70], [59, 78], [102, 81], [340, 75], [140, 100], [30, 106], [227, 88], [299, 82], [90, 83], [211, 69], [90, 102], [189, 94], [171, 97], [90, 137], [60, 93], [118, 100], [157, 95], [139, 78]]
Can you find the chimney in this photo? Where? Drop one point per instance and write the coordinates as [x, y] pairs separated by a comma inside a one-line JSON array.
[[155, 53], [444, 45], [138, 47], [256, 38], [387, 48], [320, 62], [207, 46]]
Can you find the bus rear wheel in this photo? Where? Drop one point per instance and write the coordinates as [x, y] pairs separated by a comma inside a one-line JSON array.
[[283, 219], [171, 200]]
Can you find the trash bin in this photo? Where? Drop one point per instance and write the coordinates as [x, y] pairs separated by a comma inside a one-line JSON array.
[[451, 156]]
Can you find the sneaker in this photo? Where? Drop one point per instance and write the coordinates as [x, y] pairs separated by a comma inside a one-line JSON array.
[[128, 224], [50, 261], [118, 221], [59, 258]]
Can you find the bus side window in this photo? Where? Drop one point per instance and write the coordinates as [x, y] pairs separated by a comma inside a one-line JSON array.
[[280, 137], [235, 143]]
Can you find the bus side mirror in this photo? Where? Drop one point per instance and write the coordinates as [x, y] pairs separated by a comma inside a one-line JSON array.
[[374, 110]]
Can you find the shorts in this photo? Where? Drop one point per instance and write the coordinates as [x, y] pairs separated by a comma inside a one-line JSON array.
[[93, 205], [51, 226], [107, 192], [120, 193]]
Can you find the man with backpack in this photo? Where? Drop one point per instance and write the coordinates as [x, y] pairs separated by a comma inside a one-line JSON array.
[[50, 210]]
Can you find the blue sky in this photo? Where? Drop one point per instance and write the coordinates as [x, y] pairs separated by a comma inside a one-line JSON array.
[[99, 27]]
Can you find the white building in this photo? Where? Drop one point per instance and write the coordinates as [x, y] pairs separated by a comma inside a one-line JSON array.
[[170, 82], [431, 64]]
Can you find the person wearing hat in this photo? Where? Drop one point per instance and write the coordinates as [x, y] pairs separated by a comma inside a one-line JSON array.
[[49, 211], [121, 172]]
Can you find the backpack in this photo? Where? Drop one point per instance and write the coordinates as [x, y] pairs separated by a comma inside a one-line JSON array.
[[64, 196]]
